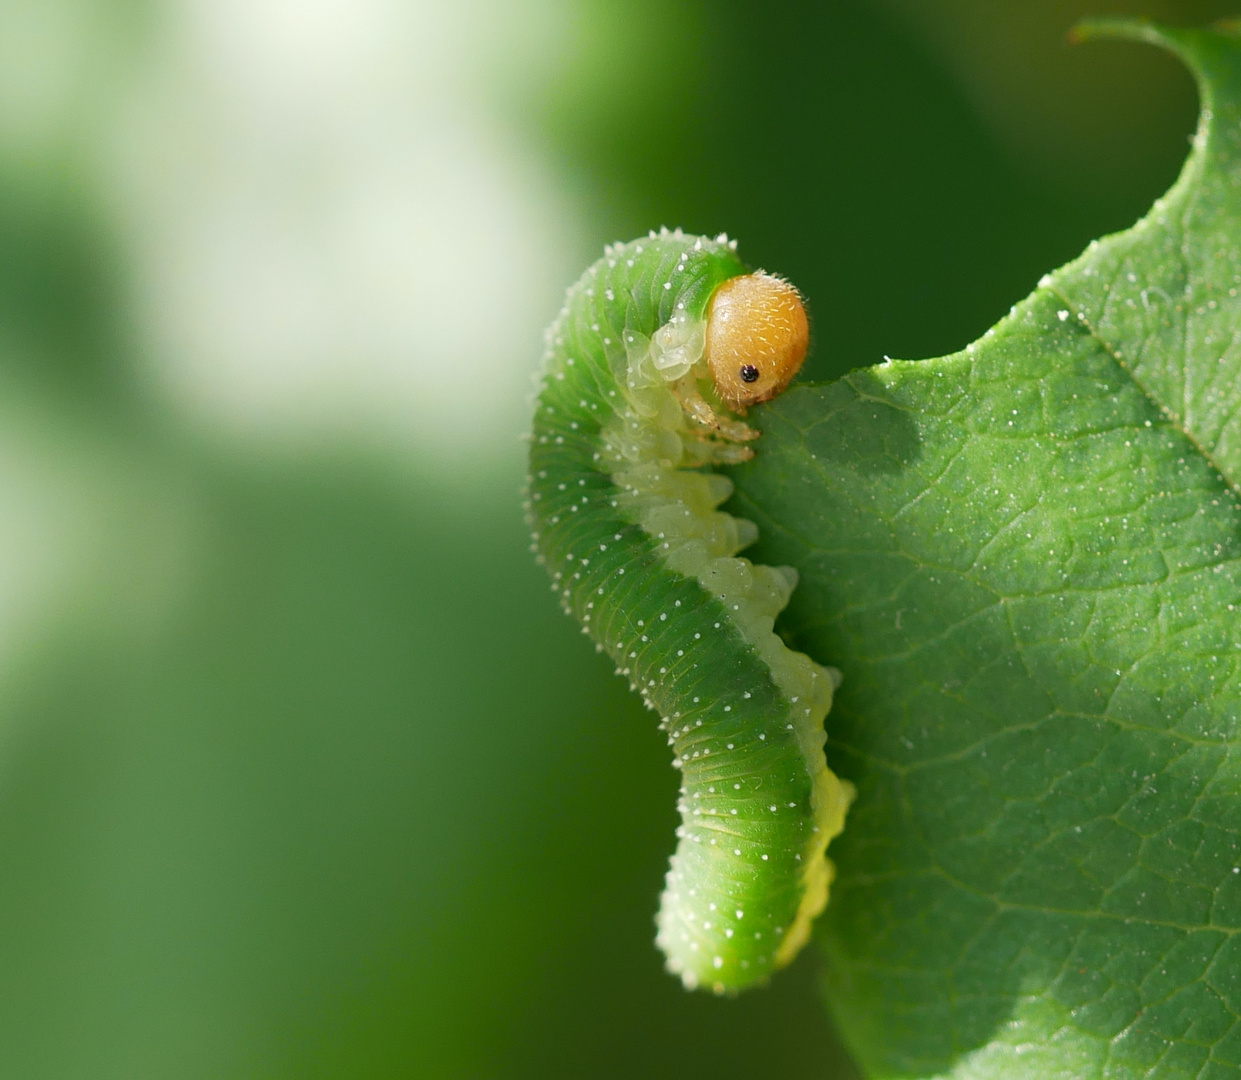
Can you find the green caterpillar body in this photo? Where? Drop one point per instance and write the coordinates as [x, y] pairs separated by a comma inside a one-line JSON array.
[[627, 524]]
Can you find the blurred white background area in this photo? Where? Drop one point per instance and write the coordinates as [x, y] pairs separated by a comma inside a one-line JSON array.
[[322, 227], [333, 229]]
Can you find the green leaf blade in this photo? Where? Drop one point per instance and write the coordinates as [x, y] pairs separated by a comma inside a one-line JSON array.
[[1161, 297], [1026, 560]]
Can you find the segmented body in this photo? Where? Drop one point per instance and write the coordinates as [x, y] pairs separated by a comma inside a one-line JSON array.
[[627, 523]]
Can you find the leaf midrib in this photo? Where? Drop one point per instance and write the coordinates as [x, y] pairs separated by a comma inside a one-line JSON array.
[[1169, 416]]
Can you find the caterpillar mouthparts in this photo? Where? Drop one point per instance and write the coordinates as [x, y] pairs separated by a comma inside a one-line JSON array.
[[661, 346]]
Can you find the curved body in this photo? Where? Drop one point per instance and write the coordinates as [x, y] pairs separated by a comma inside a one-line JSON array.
[[625, 519]]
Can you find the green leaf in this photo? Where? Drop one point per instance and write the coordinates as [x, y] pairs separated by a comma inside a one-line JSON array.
[[1026, 560]]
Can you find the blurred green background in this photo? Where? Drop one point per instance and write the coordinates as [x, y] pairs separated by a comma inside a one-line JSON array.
[[302, 773]]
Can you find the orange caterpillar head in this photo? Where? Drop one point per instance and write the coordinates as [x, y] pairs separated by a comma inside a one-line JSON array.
[[757, 336]]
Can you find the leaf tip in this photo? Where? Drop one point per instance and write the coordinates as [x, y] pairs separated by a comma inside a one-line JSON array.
[[1116, 27]]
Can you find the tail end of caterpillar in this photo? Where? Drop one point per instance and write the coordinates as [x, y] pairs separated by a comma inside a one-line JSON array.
[[742, 891], [751, 949]]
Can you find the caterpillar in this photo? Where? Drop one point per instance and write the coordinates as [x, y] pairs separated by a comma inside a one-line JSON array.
[[660, 348]]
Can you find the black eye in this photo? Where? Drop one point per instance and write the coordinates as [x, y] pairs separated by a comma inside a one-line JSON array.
[[749, 373]]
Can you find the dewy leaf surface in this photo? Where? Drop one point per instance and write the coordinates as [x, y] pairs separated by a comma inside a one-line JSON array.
[[1026, 560]]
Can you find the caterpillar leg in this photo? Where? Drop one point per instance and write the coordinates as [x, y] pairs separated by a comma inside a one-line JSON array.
[[696, 407], [723, 452]]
